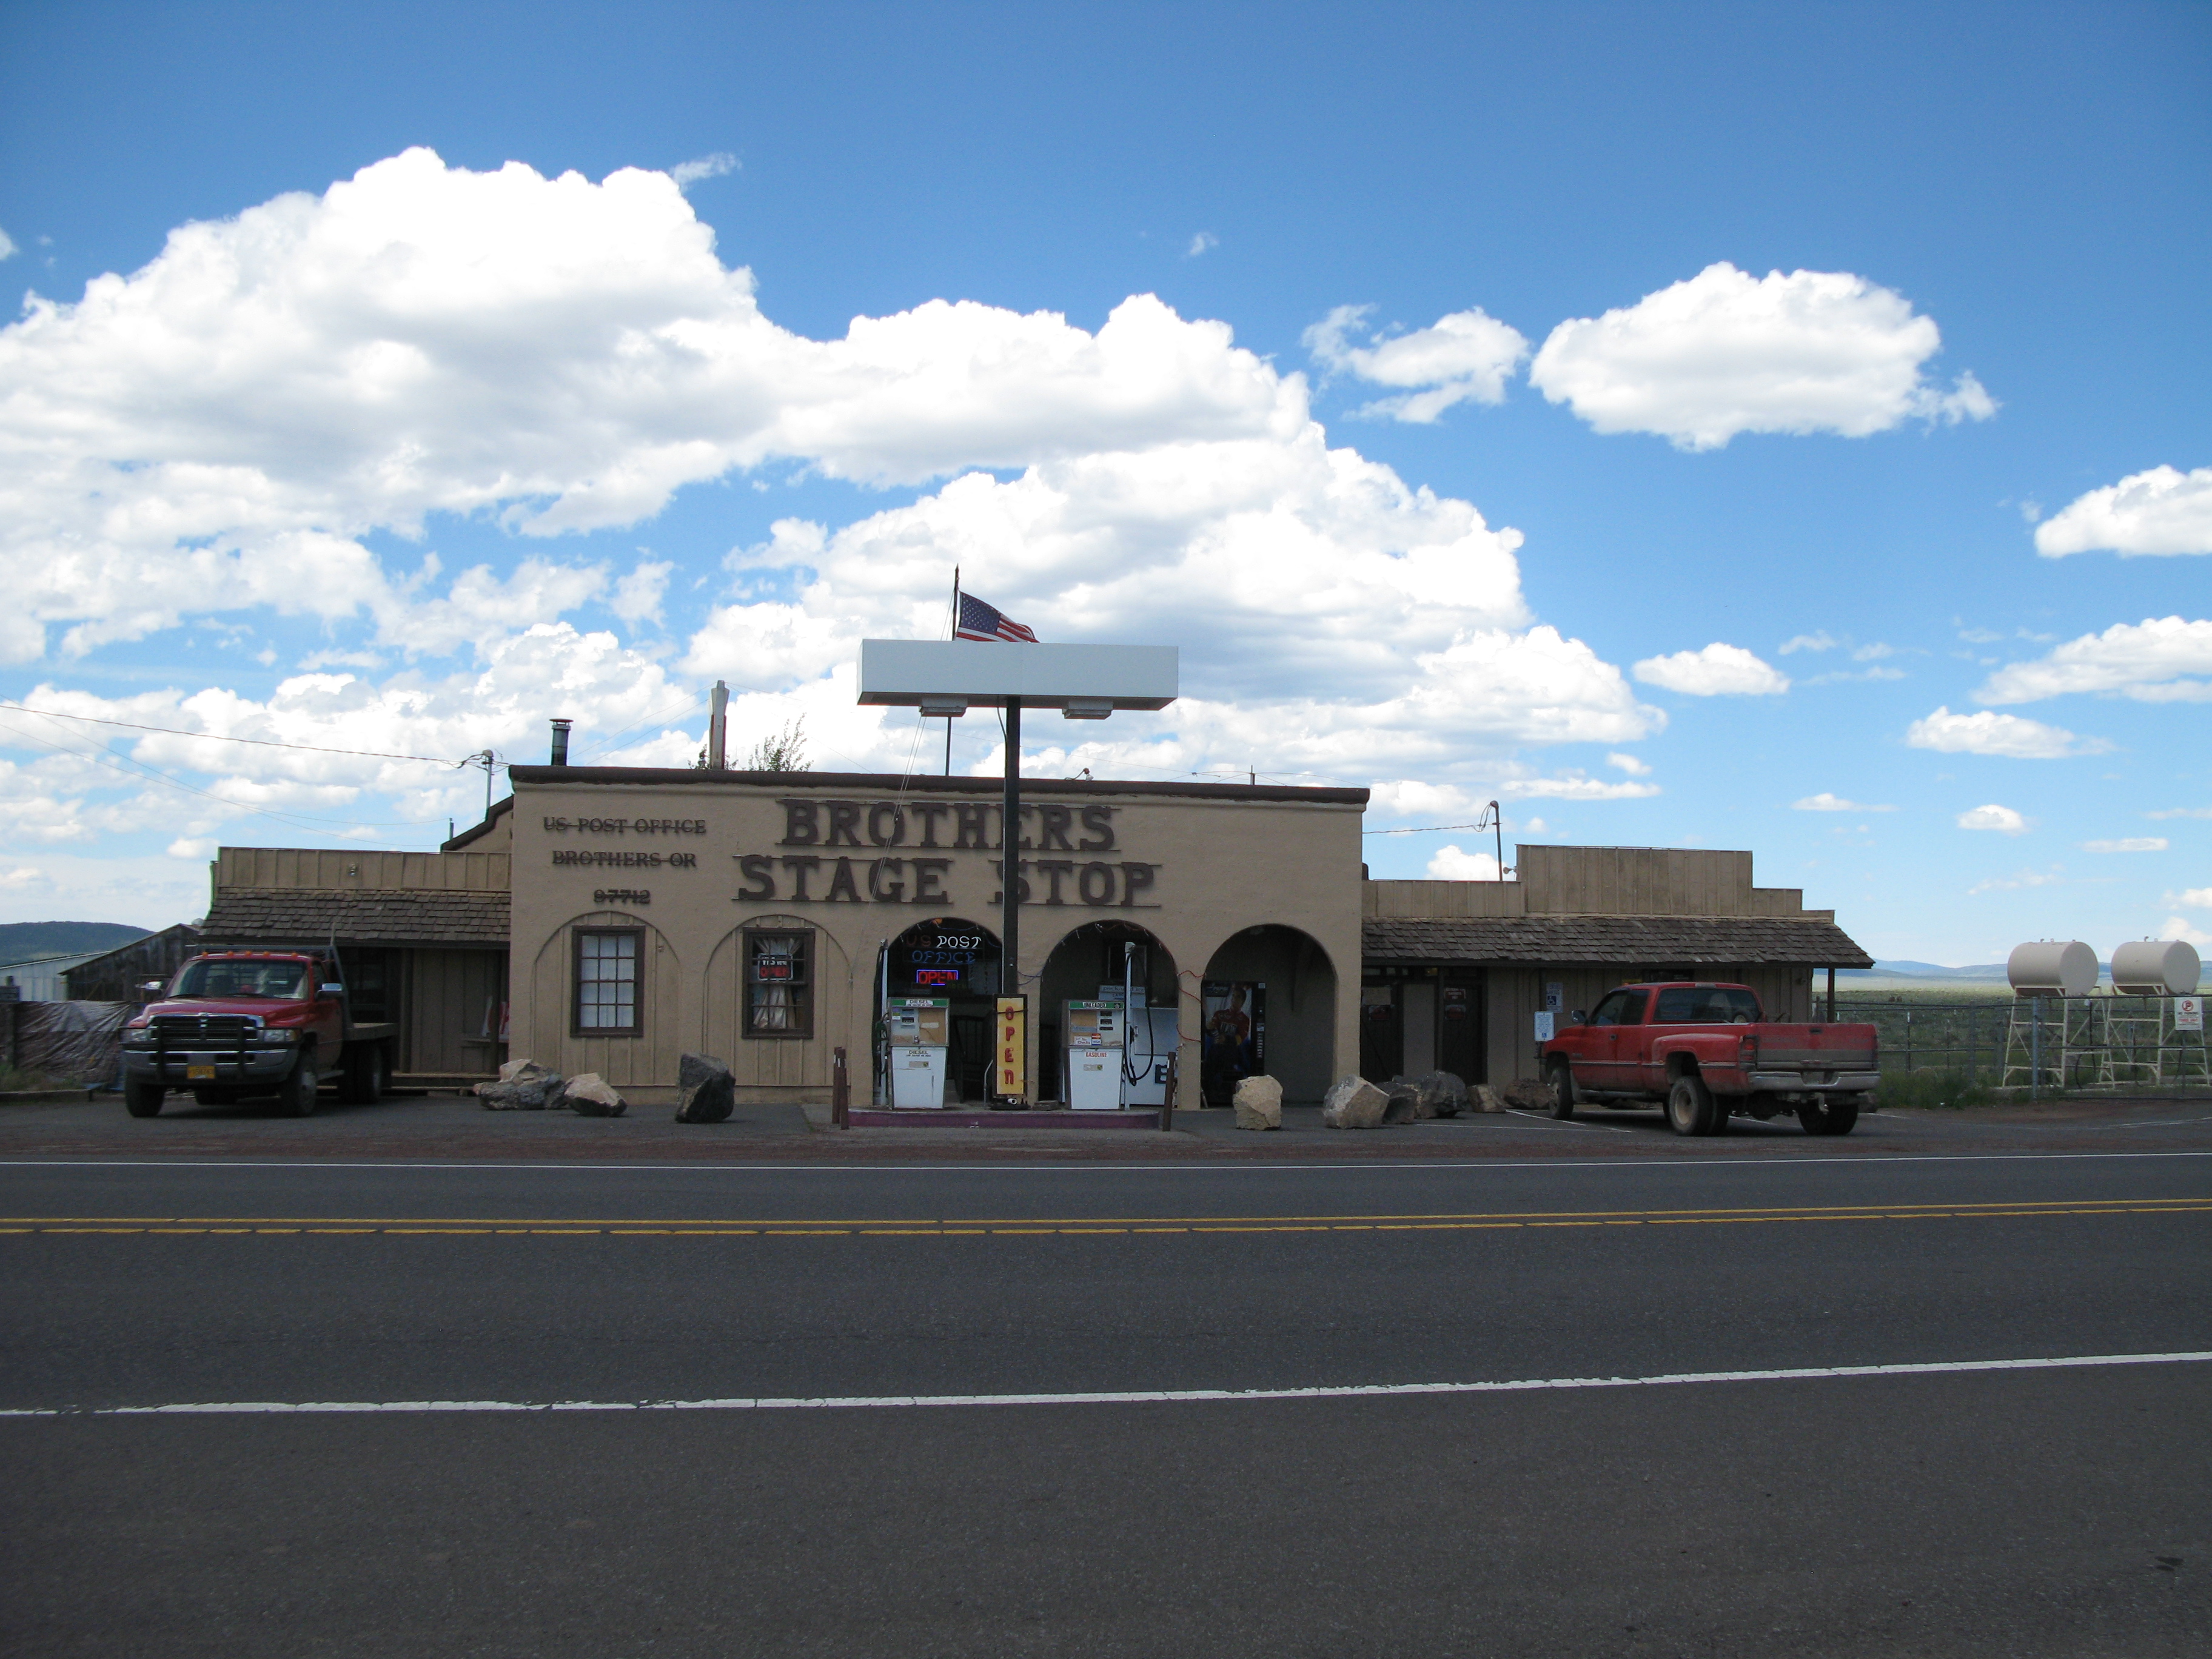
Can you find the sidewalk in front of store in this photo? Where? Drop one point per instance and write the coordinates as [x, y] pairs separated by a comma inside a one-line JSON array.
[[453, 1126]]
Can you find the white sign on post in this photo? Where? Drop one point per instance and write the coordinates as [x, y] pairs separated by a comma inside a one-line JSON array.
[[2189, 1013], [1544, 1022], [1555, 998]]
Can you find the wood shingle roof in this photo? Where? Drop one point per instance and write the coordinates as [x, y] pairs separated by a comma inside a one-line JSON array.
[[280, 916], [1619, 941]]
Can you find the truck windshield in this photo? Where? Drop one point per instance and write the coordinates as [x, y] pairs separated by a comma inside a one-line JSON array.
[[1708, 1005], [278, 981]]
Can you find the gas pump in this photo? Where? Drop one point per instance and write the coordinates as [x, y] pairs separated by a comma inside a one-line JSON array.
[[1149, 1039], [918, 1031], [1093, 1034]]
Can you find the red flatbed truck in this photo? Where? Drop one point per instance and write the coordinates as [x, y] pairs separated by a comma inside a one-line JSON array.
[[1705, 1051], [234, 1024]]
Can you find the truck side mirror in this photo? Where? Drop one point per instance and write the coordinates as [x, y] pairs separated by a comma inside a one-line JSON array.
[[153, 986], [1577, 1017], [330, 989]]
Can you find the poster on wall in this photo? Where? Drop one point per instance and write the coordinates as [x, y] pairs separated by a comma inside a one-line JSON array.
[[1233, 1041]]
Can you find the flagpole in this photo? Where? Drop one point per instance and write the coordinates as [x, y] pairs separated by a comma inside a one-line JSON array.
[[954, 635]]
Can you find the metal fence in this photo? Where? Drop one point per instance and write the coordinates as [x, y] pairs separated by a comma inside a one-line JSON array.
[[2109, 1042]]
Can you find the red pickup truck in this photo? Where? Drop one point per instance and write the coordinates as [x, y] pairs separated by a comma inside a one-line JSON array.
[[1707, 1051], [240, 1022]]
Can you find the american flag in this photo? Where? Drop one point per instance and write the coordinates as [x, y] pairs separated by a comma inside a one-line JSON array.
[[979, 621]]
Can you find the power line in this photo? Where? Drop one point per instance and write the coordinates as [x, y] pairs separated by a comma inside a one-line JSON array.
[[216, 737], [1427, 829], [145, 773]]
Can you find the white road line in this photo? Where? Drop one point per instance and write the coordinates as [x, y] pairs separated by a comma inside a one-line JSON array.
[[1129, 1397], [1551, 1122]]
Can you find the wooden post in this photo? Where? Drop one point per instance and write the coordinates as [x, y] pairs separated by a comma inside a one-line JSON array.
[[840, 1093]]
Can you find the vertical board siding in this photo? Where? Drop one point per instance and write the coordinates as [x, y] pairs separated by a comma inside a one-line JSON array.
[[447, 994], [295, 869], [1648, 881]]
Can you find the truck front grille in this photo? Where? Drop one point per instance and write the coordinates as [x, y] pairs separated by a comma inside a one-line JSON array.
[[175, 1030]]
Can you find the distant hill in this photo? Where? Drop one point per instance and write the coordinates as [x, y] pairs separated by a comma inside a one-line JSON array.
[[21, 941], [1907, 970]]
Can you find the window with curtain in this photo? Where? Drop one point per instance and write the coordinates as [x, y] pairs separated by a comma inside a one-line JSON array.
[[607, 975], [779, 982]]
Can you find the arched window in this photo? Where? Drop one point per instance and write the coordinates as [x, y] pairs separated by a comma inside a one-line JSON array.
[[779, 982]]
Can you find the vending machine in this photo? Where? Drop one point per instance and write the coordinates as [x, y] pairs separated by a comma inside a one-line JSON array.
[[1093, 1033], [918, 1031]]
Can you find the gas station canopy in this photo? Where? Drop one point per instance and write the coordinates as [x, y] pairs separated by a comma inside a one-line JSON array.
[[1083, 682]]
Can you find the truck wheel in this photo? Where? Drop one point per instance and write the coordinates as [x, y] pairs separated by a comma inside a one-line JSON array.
[[1690, 1106], [1833, 1117], [1563, 1089], [367, 1074], [297, 1097], [143, 1099]]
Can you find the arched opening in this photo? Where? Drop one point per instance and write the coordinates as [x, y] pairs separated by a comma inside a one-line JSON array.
[[1097, 963], [951, 958], [1267, 1006]]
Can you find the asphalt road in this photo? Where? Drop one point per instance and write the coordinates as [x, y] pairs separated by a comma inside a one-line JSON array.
[[2015, 1511]]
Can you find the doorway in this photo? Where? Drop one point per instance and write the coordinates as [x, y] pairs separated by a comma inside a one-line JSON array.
[[957, 960]]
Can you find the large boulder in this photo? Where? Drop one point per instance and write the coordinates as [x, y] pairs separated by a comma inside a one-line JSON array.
[[1529, 1094], [706, 1090], [590, 1095], [1258, 1103], [1443, 1095], [1402, 1103], [523, 1085], [1486, 1099], [1353, 1103]]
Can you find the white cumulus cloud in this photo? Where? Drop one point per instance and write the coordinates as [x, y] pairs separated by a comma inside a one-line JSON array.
[[1450, 864], [2178, 928], [1725, 352], [284, 391], [2159, 660], [2164, 510], [2193, 898], [2010, 735], [1469, 354], [1630, 764], [2002, 820], [6, 246], [1826, 802], [1718, 671], [1204, 242], [2128, 844], [423, 340]]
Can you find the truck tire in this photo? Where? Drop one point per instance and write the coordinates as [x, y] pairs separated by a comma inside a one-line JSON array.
[[297, 1096], [143, 1099], [367, 1072], [1690, 1106], [1832, 1117], [1563, 1089]]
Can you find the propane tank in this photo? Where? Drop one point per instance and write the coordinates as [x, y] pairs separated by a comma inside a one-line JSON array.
[[2052, 968], [2156, 968]]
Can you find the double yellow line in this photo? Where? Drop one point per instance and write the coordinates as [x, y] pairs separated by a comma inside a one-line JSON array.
[[1077, 1227]]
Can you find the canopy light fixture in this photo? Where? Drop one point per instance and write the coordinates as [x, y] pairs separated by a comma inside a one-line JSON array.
[[1087, 708]]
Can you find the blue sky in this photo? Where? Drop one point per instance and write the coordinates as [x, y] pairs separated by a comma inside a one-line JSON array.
[[1668, 313]]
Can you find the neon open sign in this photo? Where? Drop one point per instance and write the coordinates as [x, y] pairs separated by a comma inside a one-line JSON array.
[[937, 977]]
